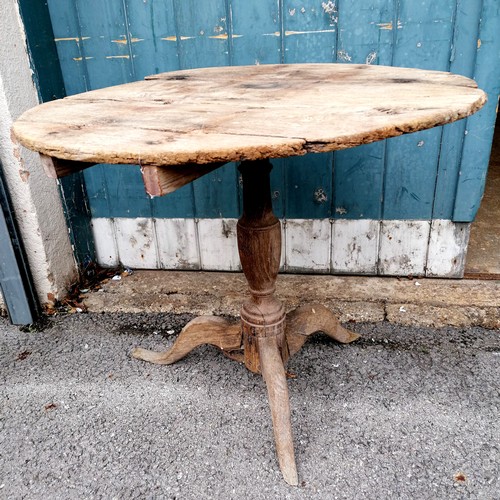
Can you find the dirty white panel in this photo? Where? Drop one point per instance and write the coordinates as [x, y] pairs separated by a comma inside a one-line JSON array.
[[136, 243], [218, 245], [355, 246], [104, 241], [447, 248], [177, 243], [403, 247], [308, 244], [283, 246]]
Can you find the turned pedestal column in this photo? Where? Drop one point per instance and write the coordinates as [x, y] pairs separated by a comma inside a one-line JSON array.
[[263, 315]]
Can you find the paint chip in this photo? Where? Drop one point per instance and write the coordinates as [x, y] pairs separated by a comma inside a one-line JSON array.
[[370, 58], [125, 41], [174, 38], [343, 56], [71, 39]]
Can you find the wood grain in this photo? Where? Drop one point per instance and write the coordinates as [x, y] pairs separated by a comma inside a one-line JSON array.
[[202, 330], [250, 112], [163, 180], [312, 318]]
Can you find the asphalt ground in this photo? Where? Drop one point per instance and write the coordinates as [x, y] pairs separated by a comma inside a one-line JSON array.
[[405, 413]]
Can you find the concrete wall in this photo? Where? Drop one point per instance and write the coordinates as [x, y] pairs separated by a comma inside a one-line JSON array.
[[35, 198]]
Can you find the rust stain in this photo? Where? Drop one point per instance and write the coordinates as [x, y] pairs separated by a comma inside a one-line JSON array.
[[81, 58], [478, 43], [224, 36], [118, 57], [174, 38], [389, 26], [125, 41], [385, 26]]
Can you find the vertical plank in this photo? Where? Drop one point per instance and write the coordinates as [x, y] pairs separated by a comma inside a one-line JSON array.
[[203, 40], [69, 44], [151, 36], [256, 29], [308, 243], [256, 32], [218, 245], [447, 249], [410, 175], [109, 61], [310, 35], [462, 61], [105, 242], [125, 191], [310, 31], [103, 25], [136, 242], [411, 172], [216, 194], [366, 32], [403, 247], [202, 33], [480, 127], [178, 246], [355, 245]]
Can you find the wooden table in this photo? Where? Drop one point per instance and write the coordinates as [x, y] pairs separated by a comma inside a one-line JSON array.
[[178, 126]]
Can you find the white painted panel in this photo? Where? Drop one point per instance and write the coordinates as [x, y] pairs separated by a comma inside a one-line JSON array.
[[403, 247], [447, 249], [177, 243], [105, 243], [355, 245], [218, 245], [136, 243], [308, 245], [283, 246]]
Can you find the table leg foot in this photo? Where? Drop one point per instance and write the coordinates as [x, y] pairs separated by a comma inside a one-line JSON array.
[[311, 318], [202, 330], [274, 375]]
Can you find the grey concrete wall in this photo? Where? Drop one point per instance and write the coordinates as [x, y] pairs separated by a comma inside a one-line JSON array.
[[35, 198]]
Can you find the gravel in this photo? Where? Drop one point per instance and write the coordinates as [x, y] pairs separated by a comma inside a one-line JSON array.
[[405, 412]]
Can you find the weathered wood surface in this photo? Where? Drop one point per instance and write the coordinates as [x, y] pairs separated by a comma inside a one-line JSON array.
[[202, 330], [249, 112], [163, 180], [312, 318]]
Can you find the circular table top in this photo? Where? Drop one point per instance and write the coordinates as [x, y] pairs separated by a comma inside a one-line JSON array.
[[245, 113]]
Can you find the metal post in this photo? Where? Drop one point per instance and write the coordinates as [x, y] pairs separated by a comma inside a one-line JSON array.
[[15, 280]]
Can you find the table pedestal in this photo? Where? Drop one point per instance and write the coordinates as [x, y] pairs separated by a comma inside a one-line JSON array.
[[266, 337]]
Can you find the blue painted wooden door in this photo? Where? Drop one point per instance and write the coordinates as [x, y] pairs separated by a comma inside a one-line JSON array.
[[433, 174]]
